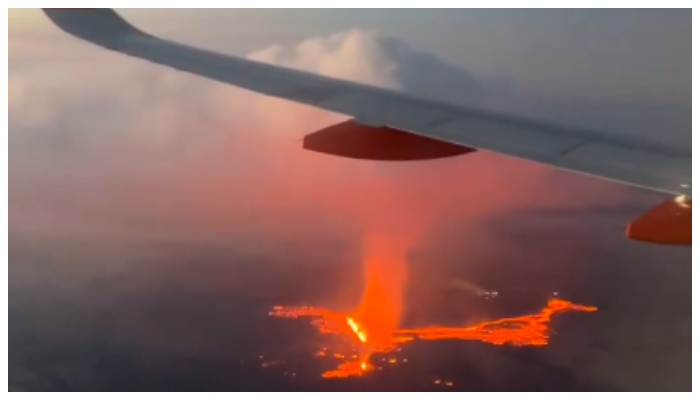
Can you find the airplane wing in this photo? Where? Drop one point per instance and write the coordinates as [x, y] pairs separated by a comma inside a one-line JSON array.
[[637, 162]]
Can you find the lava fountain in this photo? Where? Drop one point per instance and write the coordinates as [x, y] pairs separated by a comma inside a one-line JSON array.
[[380, 310]]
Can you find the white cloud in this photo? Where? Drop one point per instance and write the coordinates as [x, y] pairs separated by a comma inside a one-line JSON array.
[[379, 60]]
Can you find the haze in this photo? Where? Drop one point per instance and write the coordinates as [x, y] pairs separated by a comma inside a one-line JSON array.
[[156, 213]]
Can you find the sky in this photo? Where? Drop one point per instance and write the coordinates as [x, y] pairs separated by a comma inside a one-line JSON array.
[[144, 200]]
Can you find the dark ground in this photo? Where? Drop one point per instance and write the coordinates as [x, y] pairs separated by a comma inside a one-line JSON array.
[[97, 314]]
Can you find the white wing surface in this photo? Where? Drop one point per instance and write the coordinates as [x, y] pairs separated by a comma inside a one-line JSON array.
[[655, 166]]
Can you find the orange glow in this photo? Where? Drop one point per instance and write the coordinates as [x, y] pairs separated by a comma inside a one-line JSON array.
[[526, 330], [374, 325], [381, 307], [348, 369]]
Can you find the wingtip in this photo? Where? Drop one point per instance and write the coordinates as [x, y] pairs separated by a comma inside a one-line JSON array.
[[102, 26]]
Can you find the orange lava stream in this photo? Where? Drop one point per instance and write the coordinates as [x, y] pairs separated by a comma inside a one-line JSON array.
[[526, 330]]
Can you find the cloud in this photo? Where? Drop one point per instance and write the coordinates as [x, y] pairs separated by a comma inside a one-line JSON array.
[[379, 60]]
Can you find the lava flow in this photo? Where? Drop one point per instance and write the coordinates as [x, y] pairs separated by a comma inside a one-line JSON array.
[[526, 330], [374, 325]]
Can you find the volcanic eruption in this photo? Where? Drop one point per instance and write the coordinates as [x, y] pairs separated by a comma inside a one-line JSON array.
[[374, 326]]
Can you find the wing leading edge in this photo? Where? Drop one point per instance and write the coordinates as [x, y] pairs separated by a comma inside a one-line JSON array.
[[635, 162]]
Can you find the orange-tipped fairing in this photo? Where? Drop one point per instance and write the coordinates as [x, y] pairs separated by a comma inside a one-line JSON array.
[[671, 222]]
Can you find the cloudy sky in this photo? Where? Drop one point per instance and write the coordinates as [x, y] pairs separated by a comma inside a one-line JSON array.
[[120, 170]]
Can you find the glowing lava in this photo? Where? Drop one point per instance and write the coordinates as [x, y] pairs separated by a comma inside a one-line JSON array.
[[526, 330], [361, 336], [374, 326], [381, 307]]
